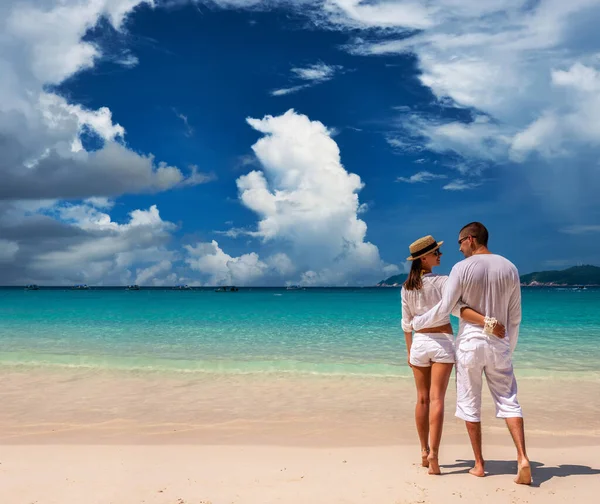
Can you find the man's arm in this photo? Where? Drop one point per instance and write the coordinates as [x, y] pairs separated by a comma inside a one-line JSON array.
[[514, 316], [437, 315]]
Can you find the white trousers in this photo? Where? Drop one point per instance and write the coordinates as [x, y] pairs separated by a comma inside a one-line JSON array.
[[491, 356]]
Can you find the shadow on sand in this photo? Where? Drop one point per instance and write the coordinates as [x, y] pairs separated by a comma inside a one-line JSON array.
[[539, 471]]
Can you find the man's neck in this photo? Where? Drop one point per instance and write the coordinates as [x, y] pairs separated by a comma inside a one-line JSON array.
[[481, 250]]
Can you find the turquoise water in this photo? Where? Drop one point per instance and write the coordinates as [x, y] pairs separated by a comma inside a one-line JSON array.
[[317, 331]]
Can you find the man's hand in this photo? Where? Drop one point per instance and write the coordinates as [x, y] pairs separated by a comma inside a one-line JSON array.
[[499, 330]]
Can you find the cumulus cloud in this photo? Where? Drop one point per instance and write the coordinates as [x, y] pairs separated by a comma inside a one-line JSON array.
[[421, 177], [307, 204], [41, 153], [54, 242], [222, 269], [314, 74]]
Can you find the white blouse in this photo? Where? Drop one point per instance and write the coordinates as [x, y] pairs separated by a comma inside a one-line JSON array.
[[420, 301]]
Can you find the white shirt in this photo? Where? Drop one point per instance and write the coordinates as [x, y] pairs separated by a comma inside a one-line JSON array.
[[489, 284], [420, 301]]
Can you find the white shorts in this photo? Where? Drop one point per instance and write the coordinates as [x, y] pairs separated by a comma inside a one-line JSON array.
[[431, 347], [491, 356]]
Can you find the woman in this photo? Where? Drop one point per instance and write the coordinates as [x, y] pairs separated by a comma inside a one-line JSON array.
[[431, 351]]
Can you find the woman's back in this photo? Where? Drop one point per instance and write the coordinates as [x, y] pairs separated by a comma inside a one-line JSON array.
[[419, 301]]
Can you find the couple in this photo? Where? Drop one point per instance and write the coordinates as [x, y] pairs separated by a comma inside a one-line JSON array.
[[483, 283]]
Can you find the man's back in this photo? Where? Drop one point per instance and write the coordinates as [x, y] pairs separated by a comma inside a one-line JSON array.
[[490, 285]]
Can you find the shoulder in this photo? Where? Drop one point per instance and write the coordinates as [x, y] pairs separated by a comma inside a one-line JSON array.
[[435, 279], [461, 266], [506, 263]]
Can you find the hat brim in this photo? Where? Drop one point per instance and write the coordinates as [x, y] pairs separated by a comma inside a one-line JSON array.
[[439, 244]]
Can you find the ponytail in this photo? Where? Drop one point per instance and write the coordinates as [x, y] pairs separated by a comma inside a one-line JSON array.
[[414, 282]]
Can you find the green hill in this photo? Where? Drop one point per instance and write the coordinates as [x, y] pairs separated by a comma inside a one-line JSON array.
[[577, 275]]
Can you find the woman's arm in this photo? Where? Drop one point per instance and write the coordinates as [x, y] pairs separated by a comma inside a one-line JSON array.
[[408, 338], [477, 318], [405, 322]]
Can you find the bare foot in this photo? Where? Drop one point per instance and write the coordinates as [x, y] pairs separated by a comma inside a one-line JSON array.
[[478, 471], [434, 466], [424, 457], [524, 473]]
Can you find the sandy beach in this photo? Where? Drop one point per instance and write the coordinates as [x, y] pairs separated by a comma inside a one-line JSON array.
[[78, 436], [167, 474]]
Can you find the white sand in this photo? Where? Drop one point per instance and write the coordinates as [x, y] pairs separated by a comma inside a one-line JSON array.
[[81, 474], [79, 437]]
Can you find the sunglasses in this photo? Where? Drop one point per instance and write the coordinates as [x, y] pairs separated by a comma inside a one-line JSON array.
[[437, 252], [463, 239]]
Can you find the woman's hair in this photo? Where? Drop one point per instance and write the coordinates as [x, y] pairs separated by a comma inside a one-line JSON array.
[[414, 282]]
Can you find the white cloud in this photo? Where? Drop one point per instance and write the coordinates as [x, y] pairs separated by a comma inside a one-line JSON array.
[[144, 276], [461, 185], [581, 229], [318, 72], [422, 176], [105, 249], [526, 72], [407, 14], [221, 268], [43, 157], [189, 131], [307, 205], [290, 90], [127, 60], [315, 74]]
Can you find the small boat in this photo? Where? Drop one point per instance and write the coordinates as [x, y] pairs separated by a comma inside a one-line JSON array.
[[80, 287], [228, 288], [132, 287], [293, 287], [182, 287], [32, 287]]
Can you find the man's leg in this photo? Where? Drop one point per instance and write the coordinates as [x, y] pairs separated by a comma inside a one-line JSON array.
[[474, 430], [517, 431], [469, 368], [503, 387]]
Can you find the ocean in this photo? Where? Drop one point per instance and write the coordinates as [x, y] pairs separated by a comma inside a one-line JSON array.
[[338, 332]]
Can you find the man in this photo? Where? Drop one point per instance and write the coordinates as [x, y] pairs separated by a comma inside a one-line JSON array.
[[489, 284]]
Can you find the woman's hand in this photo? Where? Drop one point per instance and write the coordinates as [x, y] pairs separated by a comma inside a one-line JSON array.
[[499, 330], [408, 360]]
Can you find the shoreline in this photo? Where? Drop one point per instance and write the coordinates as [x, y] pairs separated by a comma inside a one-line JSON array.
[[73, 436], [79, 407]]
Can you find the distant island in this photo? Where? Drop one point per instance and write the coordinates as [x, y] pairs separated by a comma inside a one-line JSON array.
[[393, 281], [576, 276]]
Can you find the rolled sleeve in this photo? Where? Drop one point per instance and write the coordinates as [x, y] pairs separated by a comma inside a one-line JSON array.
[[514, 317], [406, 313]]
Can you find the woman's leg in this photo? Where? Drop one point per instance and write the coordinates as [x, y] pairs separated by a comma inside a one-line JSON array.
[[423, 383], [440, 375]]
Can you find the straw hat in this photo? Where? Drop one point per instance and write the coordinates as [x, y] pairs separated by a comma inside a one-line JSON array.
[[423, 246]]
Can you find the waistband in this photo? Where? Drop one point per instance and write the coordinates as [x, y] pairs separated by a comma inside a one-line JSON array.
[[436, 336]]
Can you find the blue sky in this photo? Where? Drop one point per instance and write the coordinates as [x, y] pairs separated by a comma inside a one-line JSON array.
[[273, 142]]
